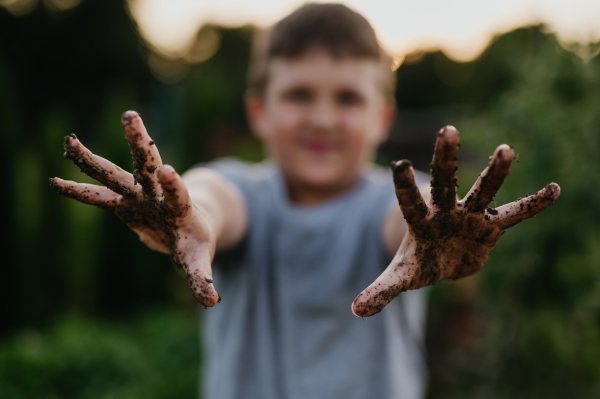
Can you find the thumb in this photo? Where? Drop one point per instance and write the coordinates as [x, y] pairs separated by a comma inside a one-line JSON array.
[[197, 268]]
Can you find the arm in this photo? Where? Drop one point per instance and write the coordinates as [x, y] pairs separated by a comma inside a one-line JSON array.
[[156, 204], [447, 238], [220, 202]]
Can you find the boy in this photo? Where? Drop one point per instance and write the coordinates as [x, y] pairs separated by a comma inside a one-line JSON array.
[[302, 234]]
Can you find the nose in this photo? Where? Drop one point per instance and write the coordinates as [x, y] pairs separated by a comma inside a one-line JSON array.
[[323, 115]]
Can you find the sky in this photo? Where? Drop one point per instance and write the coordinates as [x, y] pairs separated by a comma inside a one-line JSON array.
[[461, 28]]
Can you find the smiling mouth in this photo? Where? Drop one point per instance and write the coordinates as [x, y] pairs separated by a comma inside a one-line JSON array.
[[320, 148]]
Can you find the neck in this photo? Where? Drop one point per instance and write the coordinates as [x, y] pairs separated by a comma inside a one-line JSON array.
[[304, 194]]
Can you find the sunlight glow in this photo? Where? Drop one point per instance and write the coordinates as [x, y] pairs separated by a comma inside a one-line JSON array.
[[461, 28], [19, 7]]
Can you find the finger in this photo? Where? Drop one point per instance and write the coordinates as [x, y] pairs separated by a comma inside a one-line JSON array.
[[98, 168], [410, 200], [177, 197], [525, 208], [196, 265], [146, 159], [90, 194], [490, 180], [443, 168], [376, 296], [402, 274]]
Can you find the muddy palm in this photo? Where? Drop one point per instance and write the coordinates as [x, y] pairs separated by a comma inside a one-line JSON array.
[[447, 238], [153, 201]]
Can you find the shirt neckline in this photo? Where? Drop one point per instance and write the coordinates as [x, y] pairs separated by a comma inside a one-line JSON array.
[[281, 192]]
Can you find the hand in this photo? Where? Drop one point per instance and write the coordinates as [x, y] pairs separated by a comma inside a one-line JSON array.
[[446, 238], [153, 202]]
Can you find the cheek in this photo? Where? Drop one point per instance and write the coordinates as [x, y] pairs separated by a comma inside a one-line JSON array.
[[289, 119], [361, 128], [284, 130]]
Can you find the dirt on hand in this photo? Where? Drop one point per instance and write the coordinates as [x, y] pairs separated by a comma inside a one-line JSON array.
[[447, 238]]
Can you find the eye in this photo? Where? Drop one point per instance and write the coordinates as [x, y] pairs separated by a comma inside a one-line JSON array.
[[349, 97], [298, 95]]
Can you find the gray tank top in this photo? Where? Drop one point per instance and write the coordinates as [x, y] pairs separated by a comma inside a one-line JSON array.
[[284, 328]]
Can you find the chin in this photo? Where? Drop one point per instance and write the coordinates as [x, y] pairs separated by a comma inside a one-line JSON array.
[[324, 178]]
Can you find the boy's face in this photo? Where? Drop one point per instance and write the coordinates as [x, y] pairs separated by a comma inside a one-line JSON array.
[[321, 118]]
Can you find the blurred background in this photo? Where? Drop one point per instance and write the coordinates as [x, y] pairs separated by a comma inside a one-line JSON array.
[[78, 322]]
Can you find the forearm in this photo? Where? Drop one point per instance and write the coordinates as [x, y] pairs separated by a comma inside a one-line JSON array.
[[219, 203]]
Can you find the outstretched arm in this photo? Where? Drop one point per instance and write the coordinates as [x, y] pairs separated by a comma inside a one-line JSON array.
[[447, 238], [156, 204], [221, 201]]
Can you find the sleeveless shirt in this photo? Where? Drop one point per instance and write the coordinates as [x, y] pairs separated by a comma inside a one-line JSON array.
[[284, 328]]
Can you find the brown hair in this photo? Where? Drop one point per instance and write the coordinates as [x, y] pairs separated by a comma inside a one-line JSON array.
[[334, 28]]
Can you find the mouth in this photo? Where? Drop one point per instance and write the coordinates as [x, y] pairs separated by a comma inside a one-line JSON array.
[[320, 148]]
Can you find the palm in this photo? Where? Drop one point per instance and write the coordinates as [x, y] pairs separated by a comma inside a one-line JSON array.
[[447, 238], [153, 201]]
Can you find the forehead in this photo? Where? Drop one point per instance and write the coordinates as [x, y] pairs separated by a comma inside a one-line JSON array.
[[320, 70]]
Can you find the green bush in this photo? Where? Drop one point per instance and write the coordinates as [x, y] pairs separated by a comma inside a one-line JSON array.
[[156, 355], [539, 295]]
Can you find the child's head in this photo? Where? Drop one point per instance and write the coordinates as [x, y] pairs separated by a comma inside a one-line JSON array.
[[321, 96]]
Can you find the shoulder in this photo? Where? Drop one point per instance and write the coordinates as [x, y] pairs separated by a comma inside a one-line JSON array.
[[246, 176], [378, 180], [255, 182], [382, 210], [378, 194], [237, 169]]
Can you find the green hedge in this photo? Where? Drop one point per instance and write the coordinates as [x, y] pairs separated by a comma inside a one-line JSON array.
[[537, 300], [155, 355]]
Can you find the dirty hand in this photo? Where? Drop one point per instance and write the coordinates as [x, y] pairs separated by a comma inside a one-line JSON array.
[[153, 202], [446, 238]]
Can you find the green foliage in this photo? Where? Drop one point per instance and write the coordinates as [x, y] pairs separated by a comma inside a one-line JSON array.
[[540, 291], [155, 355], [527, 326]]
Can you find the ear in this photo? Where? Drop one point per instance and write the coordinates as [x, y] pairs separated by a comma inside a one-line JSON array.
[[255, 112], [387, 116]]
